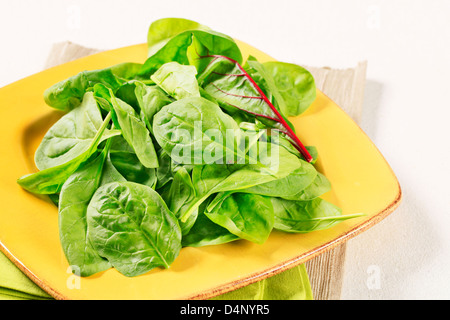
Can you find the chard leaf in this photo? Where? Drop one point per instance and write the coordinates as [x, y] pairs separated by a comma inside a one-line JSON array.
[[267, 84], [228, 82], [295, 84]]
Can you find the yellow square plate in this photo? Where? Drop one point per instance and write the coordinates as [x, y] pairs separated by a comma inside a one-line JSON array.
[[362, 182]]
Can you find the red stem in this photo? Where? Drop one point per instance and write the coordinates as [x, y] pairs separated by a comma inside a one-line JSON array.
[[298, 144]]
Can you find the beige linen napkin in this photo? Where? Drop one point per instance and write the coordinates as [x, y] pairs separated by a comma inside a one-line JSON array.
[[343, 86]]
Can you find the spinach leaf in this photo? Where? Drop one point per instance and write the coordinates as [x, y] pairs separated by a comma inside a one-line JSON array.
[[185, 47], [110, 173], [130, 225], [215, 178], [164, 173], [318, 187], [68, 94], [162, 30], [125, 161], [51, 180], [179, 195], [295, 84], [288, 186], [127, 93], [249, 216], [132, 127], [75, 196], [283, 140], [181, 191], [150, 99], [177, 80], [306, 216], [198, 40], [167, 169], [193, 131], [204, 232], [218, 178], [71, 135]]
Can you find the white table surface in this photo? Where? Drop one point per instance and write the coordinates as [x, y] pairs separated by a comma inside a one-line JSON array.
[[406, 111]]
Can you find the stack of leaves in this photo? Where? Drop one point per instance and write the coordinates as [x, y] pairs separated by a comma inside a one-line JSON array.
[[190, 148]]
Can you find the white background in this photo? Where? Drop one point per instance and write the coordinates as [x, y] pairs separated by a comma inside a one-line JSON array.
[[406, 111]]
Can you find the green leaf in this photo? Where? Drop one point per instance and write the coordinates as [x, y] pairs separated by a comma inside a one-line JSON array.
[[218, 178], [318, 187], [295, 84], [204, 232], [75, 196], [214, 178], [133, 130], [179, 48], [227, 82], [231, 85], [51, 180], [68, 94], [307, 216], [266, 82], [179, 195], [249, 216], [177, 80], [289, 185], [164, 173], [125, 161], [181, 191], [130, 225], [162, 30], [150, 99], [110, 173], [194, 131], [71, 135]]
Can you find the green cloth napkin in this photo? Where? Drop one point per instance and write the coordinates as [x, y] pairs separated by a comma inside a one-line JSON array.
[[292, 284], [15, 285]]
